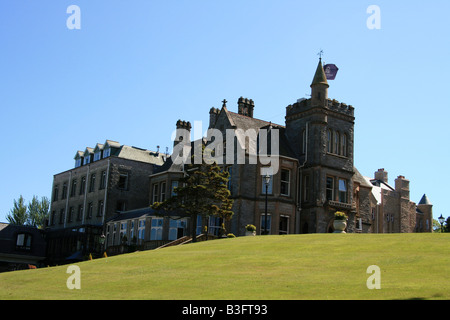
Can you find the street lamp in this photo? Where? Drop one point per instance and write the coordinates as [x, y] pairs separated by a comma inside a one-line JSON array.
[[441, 221], [266, 182]]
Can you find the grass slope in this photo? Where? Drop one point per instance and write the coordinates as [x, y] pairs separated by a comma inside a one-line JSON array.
[[314, 266]]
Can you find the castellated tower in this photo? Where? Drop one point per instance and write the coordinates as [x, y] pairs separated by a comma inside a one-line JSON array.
[[321, 133]]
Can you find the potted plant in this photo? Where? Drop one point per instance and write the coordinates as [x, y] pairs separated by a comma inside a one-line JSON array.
[[250, 230], [340, 222]]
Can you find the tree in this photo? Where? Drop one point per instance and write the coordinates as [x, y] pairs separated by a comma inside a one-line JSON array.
[[34, 214], [18, 214], [202, 191], [38, 211]]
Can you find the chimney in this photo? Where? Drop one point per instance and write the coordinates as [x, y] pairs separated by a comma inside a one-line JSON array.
[[183, 132], [245, 107], [381, 175], [213, 114], [402, 186]]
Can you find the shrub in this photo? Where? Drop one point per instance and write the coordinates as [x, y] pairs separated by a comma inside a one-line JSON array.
[[250, 228]]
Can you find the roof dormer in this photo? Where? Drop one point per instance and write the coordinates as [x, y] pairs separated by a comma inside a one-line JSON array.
[[98, 151], [79, 156]]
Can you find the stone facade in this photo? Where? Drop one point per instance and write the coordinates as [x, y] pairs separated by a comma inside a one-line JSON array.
[[93, 192]]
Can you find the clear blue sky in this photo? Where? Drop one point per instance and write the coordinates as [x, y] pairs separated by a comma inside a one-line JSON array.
[[135, 67]]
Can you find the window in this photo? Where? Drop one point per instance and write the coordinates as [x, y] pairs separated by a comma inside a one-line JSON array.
[[174, 185], [141, 230], [97, 155], [344, 145], [269, 187], [92, 183], [89, 211], [155, 193], [330, 188], [53, 218], [337, 142], [55, 193], [100, 208], [358, 224], [176, 229], [343, 190], [61, 216], [103, 180], [120, 206], [87, 159], [285, 185], [80, 213], [156, 230], [263, 223], [199, 225], [78, 163], [123, 181], [71, 214], [73, 188], [163, 191], [64, 191], [284, 225], [329, 141], [23, 241], [215, 225], [106, 152], [83, 185]]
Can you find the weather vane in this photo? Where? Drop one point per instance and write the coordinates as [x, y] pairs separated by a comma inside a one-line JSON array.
[[320, 54]]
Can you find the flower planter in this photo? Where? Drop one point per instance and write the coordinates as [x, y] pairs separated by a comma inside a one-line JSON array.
[[250, 233], [339, 226]]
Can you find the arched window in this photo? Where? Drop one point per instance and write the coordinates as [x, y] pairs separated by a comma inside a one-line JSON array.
[[344, 145], [329, 141], [337, 142]]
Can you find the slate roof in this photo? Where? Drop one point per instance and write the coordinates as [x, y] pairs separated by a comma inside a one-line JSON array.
[[425, 200]]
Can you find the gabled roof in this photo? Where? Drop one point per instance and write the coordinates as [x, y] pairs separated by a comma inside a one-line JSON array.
[[79, 154], [111, 143], [88, 150], [98, 147]]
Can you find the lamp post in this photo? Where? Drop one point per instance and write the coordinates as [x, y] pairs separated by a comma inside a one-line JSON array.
[[441, 221], [266, 182]]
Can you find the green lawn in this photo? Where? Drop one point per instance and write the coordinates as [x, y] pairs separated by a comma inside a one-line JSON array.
[[314, 266]]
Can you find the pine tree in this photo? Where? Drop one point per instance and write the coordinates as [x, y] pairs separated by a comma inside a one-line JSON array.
[[18, 214], [202, 191]]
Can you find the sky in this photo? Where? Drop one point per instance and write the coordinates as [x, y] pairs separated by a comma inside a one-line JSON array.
[[133, 68]]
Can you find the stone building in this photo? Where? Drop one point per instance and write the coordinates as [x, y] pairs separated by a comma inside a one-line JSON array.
[[314, 175], [107, 179]]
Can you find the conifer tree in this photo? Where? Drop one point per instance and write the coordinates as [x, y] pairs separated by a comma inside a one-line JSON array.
[[202, 191]]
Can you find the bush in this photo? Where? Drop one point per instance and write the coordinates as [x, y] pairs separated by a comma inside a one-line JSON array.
[[230, 235], [250, 228]]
